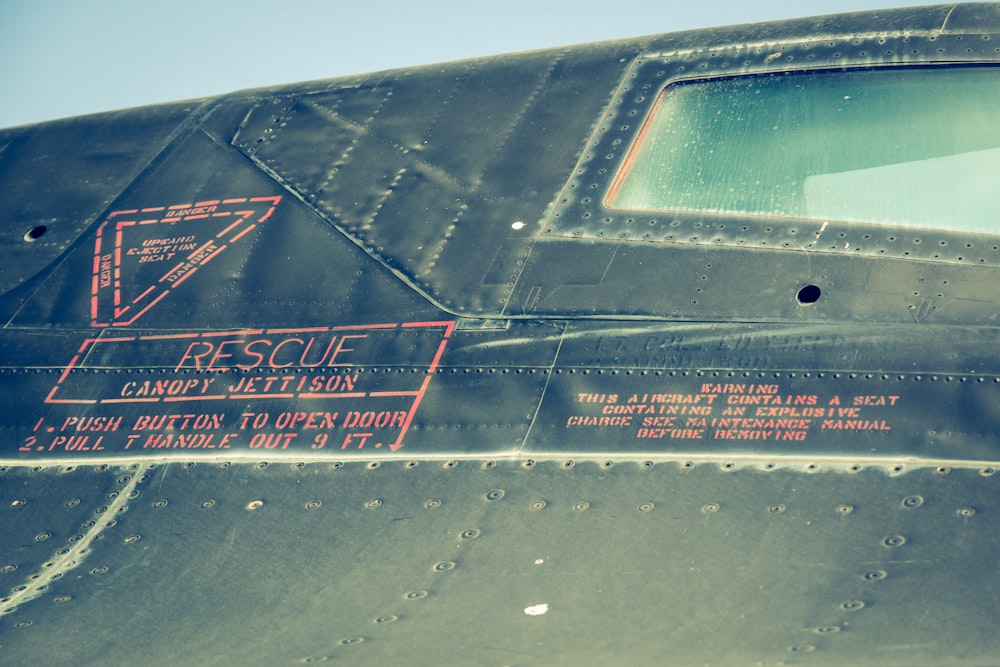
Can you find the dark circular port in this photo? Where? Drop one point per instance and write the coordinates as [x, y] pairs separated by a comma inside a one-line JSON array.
[[808, 295], [35, 233]]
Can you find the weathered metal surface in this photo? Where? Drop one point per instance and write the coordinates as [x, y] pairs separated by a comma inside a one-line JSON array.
[[484, 562], [364, 370]]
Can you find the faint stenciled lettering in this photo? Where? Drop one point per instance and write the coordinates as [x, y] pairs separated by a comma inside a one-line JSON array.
[[874, 400], [162, 249], [64, 443], [597, 398], [86, 423], [730, 412], [179, 422], [182, 212], [590, 420], [182, 440], [105, 271], [168, 387]]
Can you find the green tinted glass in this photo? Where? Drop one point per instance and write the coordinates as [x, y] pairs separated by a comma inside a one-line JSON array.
[[907, 146]]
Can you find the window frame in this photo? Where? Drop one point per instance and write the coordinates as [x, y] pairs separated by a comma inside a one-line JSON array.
[[581, 210]]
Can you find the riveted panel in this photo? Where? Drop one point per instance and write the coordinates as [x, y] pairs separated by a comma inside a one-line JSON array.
[[582, 211], [552, 561]]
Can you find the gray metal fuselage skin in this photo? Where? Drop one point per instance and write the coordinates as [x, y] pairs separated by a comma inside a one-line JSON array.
[[368, 371]]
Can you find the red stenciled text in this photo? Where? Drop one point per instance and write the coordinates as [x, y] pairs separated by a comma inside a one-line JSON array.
[[273, 353]]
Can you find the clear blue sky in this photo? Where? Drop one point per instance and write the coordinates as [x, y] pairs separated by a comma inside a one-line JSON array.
[[69, 57]]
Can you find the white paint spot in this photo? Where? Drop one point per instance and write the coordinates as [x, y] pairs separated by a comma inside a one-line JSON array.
[[537, 610], [517, 226]]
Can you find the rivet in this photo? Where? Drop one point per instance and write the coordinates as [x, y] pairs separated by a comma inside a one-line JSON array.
[[875, 575], [208, 504], [255, 505], [607, 465], [64, 598], [845, 509], [687, 465], [568, 464], [410, 465], [528, 465], [132, 539], [444, 566], [538, 505], [495, 494], [827, 629], [416, 595], [489, 465], [894, 541], [776, 509], [470, 534], [351, 640], [451, 465], [99, 570], [373, 504], [852, 605], [912, 502], [313, 505], [582, 507], [392, 618], [160, 503], [710, 508], [432, 504], [41, 537], [966, 512], [373, 465], [646, 507]]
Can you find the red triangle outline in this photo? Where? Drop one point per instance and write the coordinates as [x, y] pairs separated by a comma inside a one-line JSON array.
[[106, 306]]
